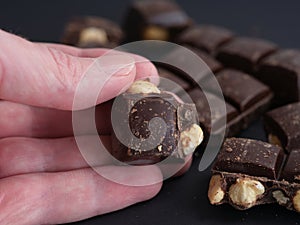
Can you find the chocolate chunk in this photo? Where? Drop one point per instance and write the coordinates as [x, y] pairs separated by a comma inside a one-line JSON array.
[[201, 65], [205, 37], [158, 20], [244, 53], [291, 170], [283, 126], [185, 85], [240, 89], [92, 32], [208, 117], [151, 127], [251, 157], [281, 72]]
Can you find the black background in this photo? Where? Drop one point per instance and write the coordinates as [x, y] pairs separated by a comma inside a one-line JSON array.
[[182, 200]]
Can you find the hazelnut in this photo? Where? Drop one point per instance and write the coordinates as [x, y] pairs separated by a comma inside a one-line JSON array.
[[190, 139], [143, 87], [155, 33], [296, 201], [245, 192], [273, 139], [280, 197], [215, 192], [92, 35]]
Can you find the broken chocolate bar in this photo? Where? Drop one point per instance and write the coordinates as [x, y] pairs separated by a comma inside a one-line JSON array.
[[205, 37], [244, 53], [152, 125], [281, 72], [92, 32], [249, 172], [155, 20], [283, 126]]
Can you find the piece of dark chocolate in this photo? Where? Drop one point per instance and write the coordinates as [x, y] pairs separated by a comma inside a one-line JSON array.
[[240, 89], [244, 53], [155, 19], [167, 74], [250, 172], [283, 126], [245, 173], [212, 117], [92, 32], [291, 170], [251, 157], [152, 125], [205, 37], [281, 72]]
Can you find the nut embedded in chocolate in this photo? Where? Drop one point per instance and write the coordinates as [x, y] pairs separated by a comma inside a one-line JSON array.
[[152, 125], [215, 193], [245, 192]]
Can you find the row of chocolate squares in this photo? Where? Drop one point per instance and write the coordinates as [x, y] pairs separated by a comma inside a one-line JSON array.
[[165, 20], [250, 172]]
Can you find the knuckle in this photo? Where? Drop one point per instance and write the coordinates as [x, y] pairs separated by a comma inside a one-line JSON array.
[[68, 71]]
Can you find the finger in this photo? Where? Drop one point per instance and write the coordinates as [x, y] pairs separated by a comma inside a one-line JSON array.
[[29, 155], [41, 75], [142, 64], [29, 121], [54, 198]]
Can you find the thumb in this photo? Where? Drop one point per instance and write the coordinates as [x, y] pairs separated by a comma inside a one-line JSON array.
[[39, 75]]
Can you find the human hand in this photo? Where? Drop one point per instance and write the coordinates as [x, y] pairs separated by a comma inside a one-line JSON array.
[[43, 177]]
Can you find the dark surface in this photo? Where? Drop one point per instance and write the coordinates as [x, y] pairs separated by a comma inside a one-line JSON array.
[[182, 200]]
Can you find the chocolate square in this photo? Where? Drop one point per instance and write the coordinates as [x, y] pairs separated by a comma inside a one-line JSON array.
[[205, 37], [244, 53]]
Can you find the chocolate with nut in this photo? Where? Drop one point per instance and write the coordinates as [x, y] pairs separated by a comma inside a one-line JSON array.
[[152, 125], [92, 32], [251, 172], [283, 126], [155, 20]]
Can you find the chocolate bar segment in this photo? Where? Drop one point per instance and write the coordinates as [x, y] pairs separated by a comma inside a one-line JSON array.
[[283, 126], [92, 32], [291, 170], [250, 157], [158, 20], [244, 53], [281, 72], [205, 37], [151, 126], [208, 117], [240, 89]]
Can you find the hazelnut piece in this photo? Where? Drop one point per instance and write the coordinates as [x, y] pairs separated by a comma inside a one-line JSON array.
[[92, 35], [190, 139], [155, 33], [296, 201], [245, 192], [273, 139], [215, 192], [280, 197], [143, 87]]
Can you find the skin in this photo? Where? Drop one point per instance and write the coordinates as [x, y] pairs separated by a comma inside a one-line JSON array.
[[43, 177]]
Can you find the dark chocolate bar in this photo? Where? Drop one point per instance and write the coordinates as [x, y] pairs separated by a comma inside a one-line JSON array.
[[251, 172], [240, 89], [283, 126], [205, 37], [92, 32], [157, 20], [152, 125], [281, 72], [244, 53]]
